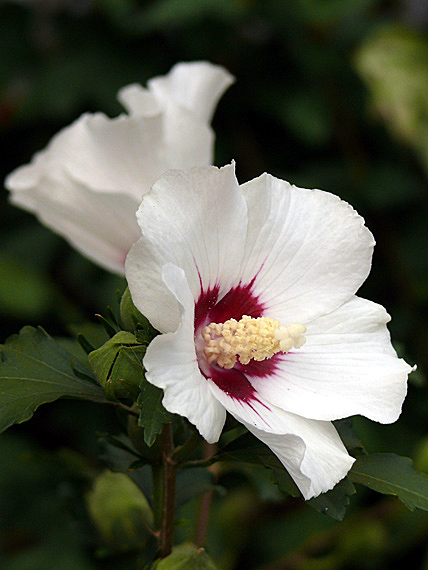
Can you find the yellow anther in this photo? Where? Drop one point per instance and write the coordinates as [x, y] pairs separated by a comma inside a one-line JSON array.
[[249, 339]]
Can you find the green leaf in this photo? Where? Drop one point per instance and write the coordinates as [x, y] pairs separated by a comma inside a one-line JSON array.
[[153, 415], [34, 370], [120, 456], [348, 435], [194, 482], [249, 449], [392, 475], [117, 452], [186, 557], [334, 502]]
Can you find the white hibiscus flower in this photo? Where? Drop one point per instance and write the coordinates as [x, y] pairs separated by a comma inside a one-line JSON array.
[[89, 181], [307, 351]]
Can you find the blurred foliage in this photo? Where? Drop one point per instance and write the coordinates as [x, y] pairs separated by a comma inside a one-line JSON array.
[[394, 65], [329, 94]]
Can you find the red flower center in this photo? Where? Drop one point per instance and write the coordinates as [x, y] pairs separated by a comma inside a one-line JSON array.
[[238, 302]]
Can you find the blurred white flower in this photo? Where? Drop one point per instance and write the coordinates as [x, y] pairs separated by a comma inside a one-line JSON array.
[[253, 288], [88, 183]]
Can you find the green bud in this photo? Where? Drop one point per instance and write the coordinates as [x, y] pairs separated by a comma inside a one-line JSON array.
[[185, 557], [133, 320], [119, 511], [118, 366]]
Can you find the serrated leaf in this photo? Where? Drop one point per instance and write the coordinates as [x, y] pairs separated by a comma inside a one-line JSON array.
[[186, 557], [283, 480], [153, 415], [334, 502], [348, 435], [35, 370], [391, 474]]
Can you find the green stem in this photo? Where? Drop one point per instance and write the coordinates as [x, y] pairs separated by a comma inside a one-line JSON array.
[[203, 519], [165, 484], [210, 450], [157, 479], [199, 463]]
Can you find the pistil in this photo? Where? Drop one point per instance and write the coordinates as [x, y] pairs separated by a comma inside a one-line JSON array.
[[249, 339]]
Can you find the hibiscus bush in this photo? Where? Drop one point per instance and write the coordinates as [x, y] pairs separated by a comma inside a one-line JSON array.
[[197, 369]]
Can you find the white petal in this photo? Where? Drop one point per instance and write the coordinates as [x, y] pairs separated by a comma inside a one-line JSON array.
[[309, 250], [196, 220], [311, 451], [138, 100], [107, 155], [171, 364], [346, 367], [186, 140], [186, 97], [101, 225], [316, 459], [196, 86]]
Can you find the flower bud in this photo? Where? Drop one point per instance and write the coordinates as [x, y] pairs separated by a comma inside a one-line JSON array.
[[118, 366], [184, 557], [120, 511]]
